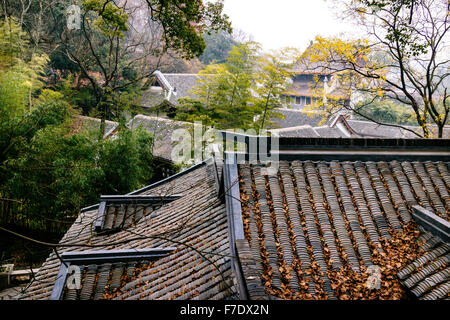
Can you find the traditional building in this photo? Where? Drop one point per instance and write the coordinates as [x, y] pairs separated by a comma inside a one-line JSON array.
[[311, 82], [168, 88], [342, 126], [334, 218]]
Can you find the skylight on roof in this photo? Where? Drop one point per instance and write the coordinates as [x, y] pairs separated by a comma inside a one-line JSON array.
[[120, 212], [94, 274]]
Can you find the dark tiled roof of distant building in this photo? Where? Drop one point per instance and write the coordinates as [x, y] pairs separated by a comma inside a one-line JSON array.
[[173, 87], [89, 123], [182, 83], [309, 132], [326, 131], [300, 131], [301, 88], [372, 129], [162, 130], [293, 118], [342, 127]]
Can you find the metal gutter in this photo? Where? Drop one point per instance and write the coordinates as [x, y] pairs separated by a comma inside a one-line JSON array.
[[99, 257], [432, 223], [234, 218], [129, 199]]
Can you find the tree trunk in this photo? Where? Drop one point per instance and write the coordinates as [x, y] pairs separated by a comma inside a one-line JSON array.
[[265, 112]]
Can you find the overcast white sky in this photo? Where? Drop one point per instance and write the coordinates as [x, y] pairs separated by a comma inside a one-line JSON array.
[[281, 23]]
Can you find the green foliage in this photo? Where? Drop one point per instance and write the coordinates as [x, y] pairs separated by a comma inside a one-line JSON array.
[[225, 90], [20, 70], [60, 61], [19, 86], [46, 163], [110, 58], [401, 32], [191, 110], [55, 170], [185, 21], [61, 172], [272, 79], [112, 20], [385, 112], [17, 131], [12, 43], [230, 94], [126, 162], [218, 45]]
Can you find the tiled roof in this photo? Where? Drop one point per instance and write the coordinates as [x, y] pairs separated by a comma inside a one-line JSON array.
[[182, 83], [308, 230], [372, 129], [309, 132], [311, 219], [329, 132], [293, 118], [122, 216], [89, 123], [352, 128], [195, 224], [103, 273], [428, 277], [162, 130], [299, 131], [302, 88], [120, 212]]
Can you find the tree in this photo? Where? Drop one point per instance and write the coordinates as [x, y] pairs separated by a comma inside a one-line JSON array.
[[20, 76], [113, 42], [404, 58], [218, 45], [47, 164], [59, 172], [184, 23], [242, 91], [385, 111], [272, 79], [224, 90]]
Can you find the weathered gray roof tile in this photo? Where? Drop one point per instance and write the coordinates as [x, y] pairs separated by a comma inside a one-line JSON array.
[[194, 223], [339, 213]]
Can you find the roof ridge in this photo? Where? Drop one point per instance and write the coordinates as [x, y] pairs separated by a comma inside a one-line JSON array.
[[160, 118], [181, 74], [303, 126]]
